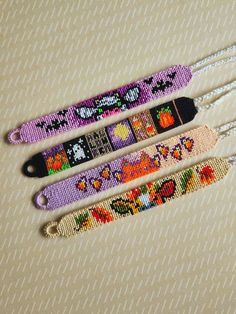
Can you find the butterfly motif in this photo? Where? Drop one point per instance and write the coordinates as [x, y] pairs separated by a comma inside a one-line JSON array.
[[188, 143]]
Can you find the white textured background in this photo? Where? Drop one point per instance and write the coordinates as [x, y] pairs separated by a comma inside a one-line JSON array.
[[179, 258]]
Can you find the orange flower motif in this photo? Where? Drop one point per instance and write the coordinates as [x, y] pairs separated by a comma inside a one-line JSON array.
[[164, 151]]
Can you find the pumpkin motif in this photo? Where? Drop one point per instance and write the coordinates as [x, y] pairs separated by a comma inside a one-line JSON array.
[[56, 165], [165, 117]]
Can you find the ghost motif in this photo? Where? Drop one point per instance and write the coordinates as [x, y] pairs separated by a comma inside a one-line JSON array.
[[78, 152]]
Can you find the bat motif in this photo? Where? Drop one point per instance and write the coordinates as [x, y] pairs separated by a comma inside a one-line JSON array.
[[62, 112], [172, 75], [148, 81], [55, 125], [161, 86], [40, 124]]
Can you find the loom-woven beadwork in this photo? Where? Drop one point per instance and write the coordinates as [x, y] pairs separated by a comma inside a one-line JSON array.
[[140, 199], [121, 99], [113, 137], [99, 143], [128, 168], [102, 106], [142, 125], [121, 134]]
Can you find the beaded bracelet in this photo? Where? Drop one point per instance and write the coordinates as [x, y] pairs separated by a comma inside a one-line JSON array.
[[147, 196], [136, 128], [132, 166], [115, 101]]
